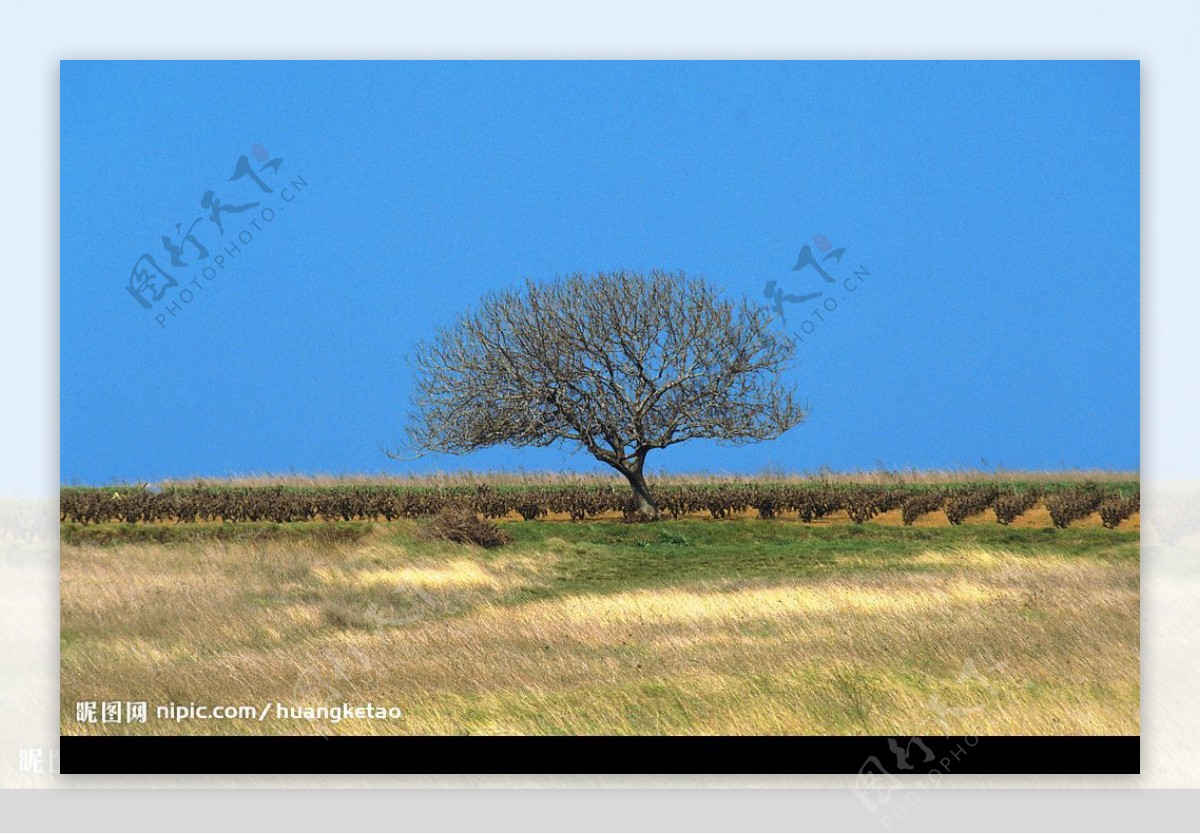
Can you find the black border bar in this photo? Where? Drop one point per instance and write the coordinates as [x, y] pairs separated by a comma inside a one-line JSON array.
[[879, 755]]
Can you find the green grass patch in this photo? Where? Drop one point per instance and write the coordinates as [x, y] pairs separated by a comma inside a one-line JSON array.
[[605, 557]]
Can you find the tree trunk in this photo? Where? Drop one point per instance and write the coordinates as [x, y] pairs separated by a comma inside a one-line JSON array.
[[645, 504]]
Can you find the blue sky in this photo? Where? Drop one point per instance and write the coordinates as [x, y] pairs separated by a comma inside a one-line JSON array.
[[994, 206]]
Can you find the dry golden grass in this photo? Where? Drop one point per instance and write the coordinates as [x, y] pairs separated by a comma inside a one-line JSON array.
[[949, 640]]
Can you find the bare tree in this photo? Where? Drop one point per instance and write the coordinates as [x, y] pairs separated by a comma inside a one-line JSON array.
[[618, 364]]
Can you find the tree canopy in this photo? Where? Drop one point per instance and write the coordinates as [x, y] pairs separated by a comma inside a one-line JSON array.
[[618, 364]]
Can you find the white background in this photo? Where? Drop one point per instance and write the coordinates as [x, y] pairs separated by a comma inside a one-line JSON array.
[[34, 37]]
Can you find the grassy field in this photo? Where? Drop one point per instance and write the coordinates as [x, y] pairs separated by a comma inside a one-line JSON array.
[[737, 626]]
